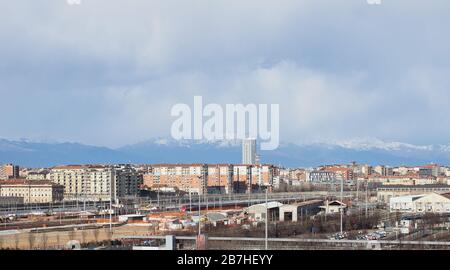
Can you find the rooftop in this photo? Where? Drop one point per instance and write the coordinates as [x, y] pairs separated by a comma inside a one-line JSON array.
[[414, 186], [27, 182]]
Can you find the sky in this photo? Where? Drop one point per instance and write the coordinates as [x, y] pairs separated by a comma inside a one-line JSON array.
[[107, 72]]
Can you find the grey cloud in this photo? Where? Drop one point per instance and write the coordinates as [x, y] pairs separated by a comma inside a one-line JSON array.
[[107, 72]]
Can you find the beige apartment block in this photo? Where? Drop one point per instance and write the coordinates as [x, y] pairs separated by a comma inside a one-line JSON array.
[[32, 191]]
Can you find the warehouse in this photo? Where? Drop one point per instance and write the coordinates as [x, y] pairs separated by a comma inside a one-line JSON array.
[[296, 211], [258, 211], [429, 203]]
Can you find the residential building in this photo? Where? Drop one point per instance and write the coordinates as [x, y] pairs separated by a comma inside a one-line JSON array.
[[37, 175], [96, 182], [249, 151], [210, 178], [32, 191], [9, 171], [321, 176]]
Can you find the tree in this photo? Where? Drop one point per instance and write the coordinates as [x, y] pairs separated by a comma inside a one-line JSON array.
[[58, 240], [44, 240], [17, 240], [96, 232], [431, 219], [71, 235], [83, 236], [31, 239]]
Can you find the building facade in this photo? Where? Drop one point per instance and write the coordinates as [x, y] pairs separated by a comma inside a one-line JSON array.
[[9, 171], [249, 151], [385, 193], [96, 182], [32, 191], [210, 178], [424, 203]]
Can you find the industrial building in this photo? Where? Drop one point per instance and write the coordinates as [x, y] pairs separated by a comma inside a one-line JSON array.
[[258, 211], [384, 193], [424, 203], [296, 211], [333, 207]]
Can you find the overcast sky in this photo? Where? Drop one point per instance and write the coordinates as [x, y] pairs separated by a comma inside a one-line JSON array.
[[107, 72]]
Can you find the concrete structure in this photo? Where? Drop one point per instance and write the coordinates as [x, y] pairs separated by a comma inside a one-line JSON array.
[[9, 171], [424, 203], [384, 193], [131, 217], [249, 151], [333, 207], [210, 178], [32, 191], [292, 212], [258, 211]]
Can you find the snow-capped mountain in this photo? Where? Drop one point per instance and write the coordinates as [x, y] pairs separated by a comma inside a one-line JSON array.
[[168, 150]]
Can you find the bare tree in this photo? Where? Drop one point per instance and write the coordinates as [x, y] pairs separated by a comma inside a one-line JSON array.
[[17, 240], [44, 240], [72, 235], [83, 236], [58, 240], [96, 233], [431, 220], [31, 239]]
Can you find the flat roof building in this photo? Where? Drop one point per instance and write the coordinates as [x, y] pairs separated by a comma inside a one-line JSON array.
[[384, 193], [32, 191], [423, 203]]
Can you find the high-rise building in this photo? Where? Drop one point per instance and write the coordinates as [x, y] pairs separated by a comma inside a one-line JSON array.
[[9, 171], [249, 151]]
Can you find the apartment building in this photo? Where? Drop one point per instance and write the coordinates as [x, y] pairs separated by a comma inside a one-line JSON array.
[[321, 176], [341, 173], [9, 171], [37, 175], [249, 155], [209, 178], [96, 182], [32, 191]]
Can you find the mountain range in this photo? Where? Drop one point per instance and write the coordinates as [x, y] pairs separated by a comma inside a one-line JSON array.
[[164, 150]]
